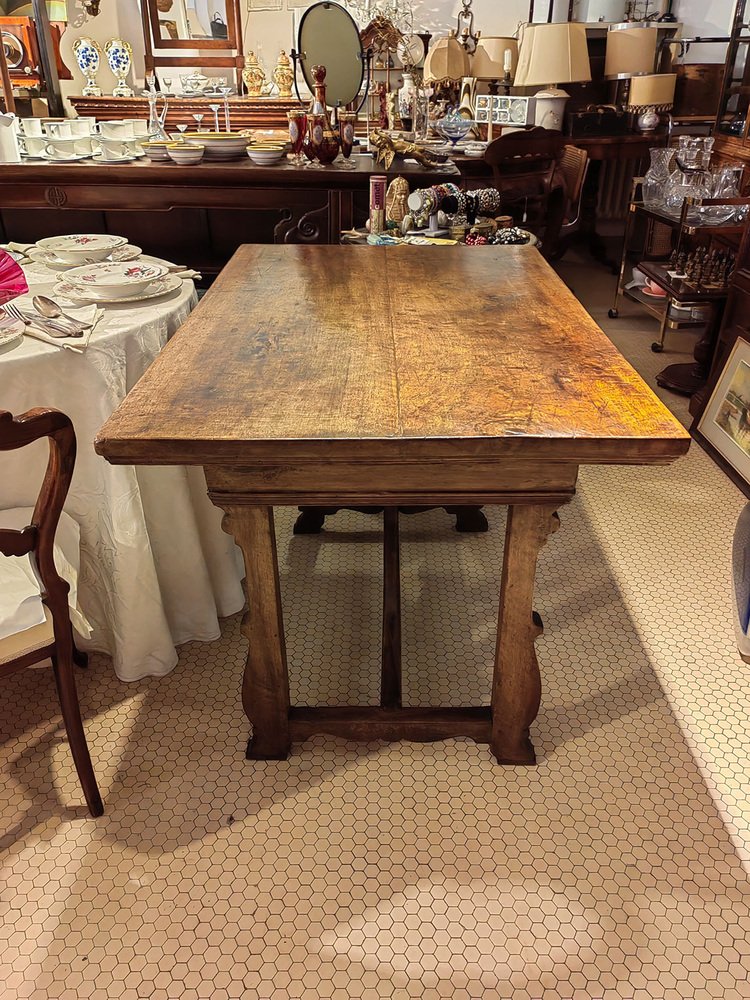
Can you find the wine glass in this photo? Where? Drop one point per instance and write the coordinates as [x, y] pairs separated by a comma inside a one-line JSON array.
[[215, 109], [347, 121], [167, 81], [199, 119], [297, 131]]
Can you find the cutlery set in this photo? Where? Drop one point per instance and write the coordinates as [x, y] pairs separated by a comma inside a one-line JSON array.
[[48, 317]]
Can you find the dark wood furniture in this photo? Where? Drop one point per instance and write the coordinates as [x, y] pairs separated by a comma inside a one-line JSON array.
[[524, 166], [347, 378], [206, 211], [54, 638], [735, 323], [732, 127], [245, 112]]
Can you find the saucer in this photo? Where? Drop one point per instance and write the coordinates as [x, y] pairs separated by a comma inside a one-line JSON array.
[[117, 159], [75, 158], [161, 286], [10, 329]]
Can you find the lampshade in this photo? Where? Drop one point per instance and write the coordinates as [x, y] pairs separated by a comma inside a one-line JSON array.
[[654, 91], [489, 58], [553, 53], [630, 52], [446, 60]]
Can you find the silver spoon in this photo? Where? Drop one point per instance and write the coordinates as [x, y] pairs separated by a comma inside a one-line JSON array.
[[51, 310]]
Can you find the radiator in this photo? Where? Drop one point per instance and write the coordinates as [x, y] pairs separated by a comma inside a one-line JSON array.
[[615, 184]]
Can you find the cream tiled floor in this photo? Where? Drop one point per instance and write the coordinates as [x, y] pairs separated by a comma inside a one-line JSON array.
[[616, 868]]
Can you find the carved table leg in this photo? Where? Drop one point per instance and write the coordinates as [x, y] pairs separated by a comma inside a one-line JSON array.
[[265, 687], [517, 687]]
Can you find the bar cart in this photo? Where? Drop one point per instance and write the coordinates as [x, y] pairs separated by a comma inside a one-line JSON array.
[[665, 232]]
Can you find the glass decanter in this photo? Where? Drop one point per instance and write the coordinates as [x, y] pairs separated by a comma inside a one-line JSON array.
[[657, 177], [156, 118]]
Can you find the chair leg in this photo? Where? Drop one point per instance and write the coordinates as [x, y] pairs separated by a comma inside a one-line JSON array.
[[71, 713]]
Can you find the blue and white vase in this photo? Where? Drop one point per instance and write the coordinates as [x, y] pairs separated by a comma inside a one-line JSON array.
[[88, 56], [120, 59]]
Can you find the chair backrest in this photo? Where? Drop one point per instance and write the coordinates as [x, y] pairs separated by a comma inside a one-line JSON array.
[[523, 152], [573, 166], [38, 538]]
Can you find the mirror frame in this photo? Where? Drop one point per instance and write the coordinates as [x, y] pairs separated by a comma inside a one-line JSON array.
[[228, 43], [303, 59]]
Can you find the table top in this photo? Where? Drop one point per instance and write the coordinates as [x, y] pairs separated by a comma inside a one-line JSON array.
[[353, 353], [242, 171]]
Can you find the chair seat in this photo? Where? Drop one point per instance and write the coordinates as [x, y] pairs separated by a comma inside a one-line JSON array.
[[67, 560], [21, 643]]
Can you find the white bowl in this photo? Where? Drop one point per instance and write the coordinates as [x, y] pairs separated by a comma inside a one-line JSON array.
[[219, 145], [265, 157], [181, 152], [112, 278], [82, 248]]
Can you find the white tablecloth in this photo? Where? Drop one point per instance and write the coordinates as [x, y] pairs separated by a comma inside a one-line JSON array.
[[156, 568]]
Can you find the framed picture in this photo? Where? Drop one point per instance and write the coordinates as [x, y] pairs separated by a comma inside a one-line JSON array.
[[723, 428]]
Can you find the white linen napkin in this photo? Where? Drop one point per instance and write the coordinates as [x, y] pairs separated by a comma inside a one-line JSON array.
[[86, 314]]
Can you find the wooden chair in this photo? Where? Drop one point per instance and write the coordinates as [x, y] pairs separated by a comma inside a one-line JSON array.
[[54, 637], [525, 169], [573, 167]]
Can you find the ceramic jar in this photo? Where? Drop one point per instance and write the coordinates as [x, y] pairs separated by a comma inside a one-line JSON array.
[[88, 56], [253, 76], [408, 96], [283, 75], [120, 59]]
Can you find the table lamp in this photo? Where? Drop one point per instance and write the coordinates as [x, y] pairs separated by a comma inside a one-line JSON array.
[[649, 95], [495, 59], [447, 61], [631, 51], [551, 54]]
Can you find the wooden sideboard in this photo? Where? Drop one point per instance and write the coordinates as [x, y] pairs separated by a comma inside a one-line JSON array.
[[245, 112], [198, 214]]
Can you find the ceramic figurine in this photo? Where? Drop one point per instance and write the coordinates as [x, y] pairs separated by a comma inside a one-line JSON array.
[[88, 56], [253, 76], [120, 58], [283, 75]]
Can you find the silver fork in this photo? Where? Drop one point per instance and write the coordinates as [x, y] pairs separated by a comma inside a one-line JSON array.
[[53, 330]]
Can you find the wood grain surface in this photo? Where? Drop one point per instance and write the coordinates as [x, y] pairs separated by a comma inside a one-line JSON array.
[[390, 355]]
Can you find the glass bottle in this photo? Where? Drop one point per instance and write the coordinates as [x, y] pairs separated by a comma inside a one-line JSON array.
[[657, 177]]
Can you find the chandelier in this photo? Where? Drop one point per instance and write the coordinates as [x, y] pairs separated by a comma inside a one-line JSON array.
[[398, 13]]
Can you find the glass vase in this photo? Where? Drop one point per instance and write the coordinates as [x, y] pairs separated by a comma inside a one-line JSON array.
[[657, 177]]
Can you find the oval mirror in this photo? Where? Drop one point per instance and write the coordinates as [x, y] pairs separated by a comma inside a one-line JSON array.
[[329, 36]]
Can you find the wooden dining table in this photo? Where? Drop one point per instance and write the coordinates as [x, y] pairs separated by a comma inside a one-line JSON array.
[[391, 377]]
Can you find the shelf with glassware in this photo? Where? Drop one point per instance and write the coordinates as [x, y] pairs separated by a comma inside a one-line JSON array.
[[689, 203]]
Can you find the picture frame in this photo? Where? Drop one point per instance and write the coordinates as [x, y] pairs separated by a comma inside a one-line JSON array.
[[722, 427]]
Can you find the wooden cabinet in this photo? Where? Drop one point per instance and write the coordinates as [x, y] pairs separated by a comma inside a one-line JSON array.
[[732, 129]]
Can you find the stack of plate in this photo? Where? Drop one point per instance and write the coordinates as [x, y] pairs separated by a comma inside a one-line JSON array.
[[118, 282], [58, 254], [219, 146]]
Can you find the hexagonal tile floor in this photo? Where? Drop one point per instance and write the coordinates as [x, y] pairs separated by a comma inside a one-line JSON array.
[[614, 869]]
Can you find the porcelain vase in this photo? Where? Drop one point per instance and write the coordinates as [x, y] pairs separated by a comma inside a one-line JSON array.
[[120, 58], [88, 56]]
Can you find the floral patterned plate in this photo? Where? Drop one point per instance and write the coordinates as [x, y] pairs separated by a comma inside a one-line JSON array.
[[162, 286], [115, 278], [53, 262]]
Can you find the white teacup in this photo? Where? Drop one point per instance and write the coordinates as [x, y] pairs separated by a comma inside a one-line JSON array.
[[139, 127], [58, 130], [34, 145], [31, 127], [121, 130], [82, 127], [61, 148], [115, 149]]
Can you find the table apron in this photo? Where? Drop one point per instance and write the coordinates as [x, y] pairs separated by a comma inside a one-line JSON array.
[[384, 484]]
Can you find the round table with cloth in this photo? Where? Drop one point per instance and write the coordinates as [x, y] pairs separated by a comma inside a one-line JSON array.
[[156, 568]]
